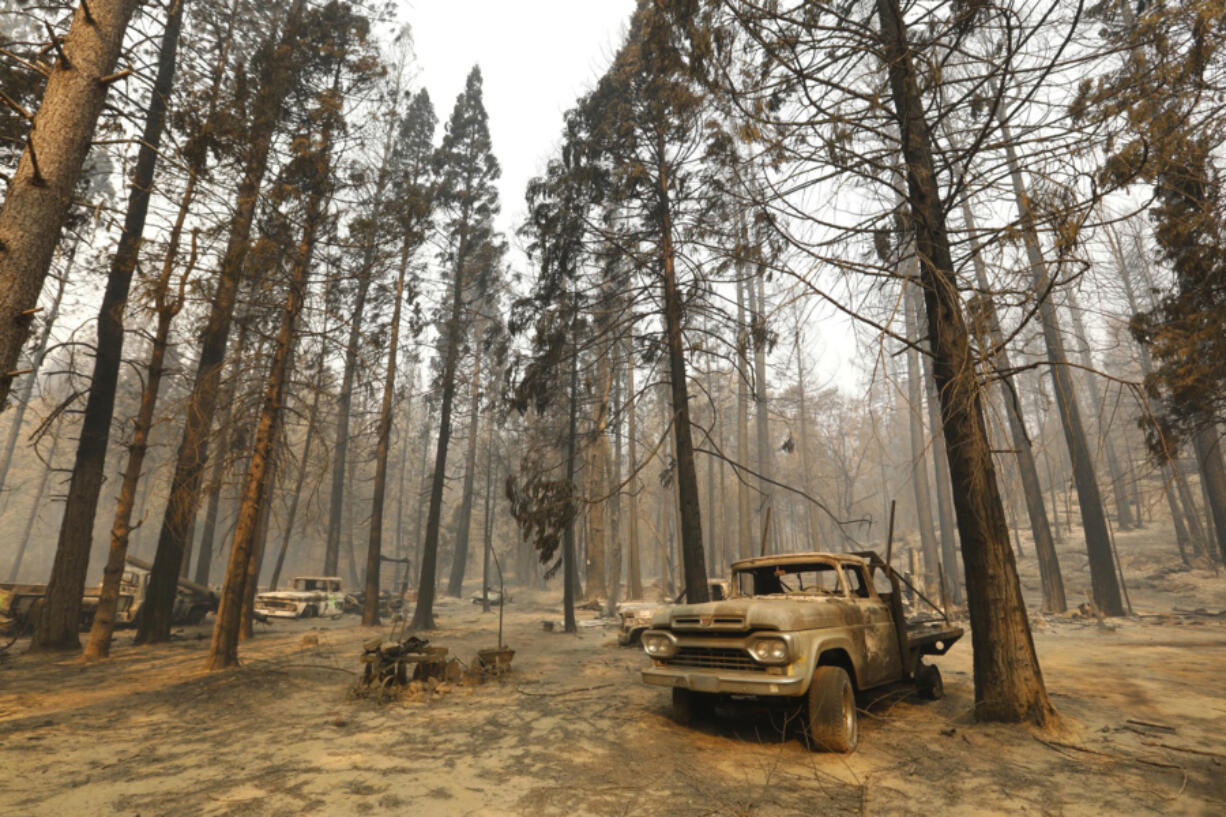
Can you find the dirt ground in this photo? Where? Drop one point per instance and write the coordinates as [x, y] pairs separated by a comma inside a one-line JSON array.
[[573, 731]]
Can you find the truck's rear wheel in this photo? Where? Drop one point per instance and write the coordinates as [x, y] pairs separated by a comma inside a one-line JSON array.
[[928, 682], [311, 611], [830, 716], [689, 707]]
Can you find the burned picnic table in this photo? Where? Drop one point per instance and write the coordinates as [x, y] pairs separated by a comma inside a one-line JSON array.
[[388, 663]]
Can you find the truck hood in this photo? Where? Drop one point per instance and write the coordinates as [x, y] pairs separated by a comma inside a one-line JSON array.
[[759, 613]]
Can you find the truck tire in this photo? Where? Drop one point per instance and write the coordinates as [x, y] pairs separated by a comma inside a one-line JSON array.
[[311, 611], [690, 707], [928, 682], [830, 715]]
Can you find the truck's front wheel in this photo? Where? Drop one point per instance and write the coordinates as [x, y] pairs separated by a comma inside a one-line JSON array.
[[830, 717], [689, 707]]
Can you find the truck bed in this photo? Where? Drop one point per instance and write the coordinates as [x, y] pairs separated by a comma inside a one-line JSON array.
[[932, 638]]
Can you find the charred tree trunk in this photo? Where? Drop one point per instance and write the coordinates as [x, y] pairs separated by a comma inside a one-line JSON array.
[[193, 450], [569, 568], [459, 559], [59, 624], [224, 649], [1119, 484], [292, 514], [208, 536], [1213, 479], [597, 481], [915, 418], [1210, 524], [1103, 580], [340, 451], [712, 527], [940, 475], [745, 546], [757, 308], [425, 480], [423, 613], [613, 489], [802, 428], [39, 195], [1045, 550], [374, 553], [692, 555], [350, 521], [1008, 682], [634, 570], [102, 629], [400, 577], [594, 556], [243, 567], [988, 326], [1182, 540], [255, 560], [487, 523]]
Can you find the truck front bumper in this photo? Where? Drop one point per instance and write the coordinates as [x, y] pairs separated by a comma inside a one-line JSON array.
[[277, 612], [731, 683]]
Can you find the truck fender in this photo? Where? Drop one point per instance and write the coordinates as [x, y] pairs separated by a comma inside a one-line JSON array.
[[839, 651]]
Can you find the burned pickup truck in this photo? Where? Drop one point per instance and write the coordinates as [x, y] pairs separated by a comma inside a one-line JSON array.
[[309, 597], [19, 603], [802, 628]]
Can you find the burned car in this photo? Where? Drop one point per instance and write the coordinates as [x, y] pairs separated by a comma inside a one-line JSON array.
[[311, 596], [634, 617], [802, 629]]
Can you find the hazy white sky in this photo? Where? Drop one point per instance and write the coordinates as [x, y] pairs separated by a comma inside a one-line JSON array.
[[536, 56]]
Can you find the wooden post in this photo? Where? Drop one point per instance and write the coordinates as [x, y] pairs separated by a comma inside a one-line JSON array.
[[766, 526], [889, 537]]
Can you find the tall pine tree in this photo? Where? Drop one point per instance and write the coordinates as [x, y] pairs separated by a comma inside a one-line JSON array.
[[468, 200]]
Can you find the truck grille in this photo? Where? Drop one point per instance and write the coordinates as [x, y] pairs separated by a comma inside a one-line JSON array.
[[715, 658], [735, 622], [276, 604]]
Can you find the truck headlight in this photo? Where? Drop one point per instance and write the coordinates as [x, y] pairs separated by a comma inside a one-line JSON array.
[[770, 650], [659, 645]]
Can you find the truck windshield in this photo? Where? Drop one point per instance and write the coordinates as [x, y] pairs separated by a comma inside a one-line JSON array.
[[811, 579]]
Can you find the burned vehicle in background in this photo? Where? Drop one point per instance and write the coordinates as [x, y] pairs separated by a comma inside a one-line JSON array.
[[20, 603], [634, 617], [802, 629], [192, 601], [309, 597]]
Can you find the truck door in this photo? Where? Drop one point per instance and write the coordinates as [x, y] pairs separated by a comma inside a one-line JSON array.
[[882, 663]]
